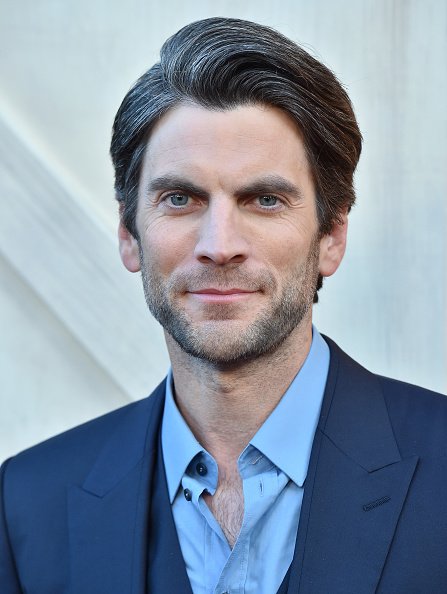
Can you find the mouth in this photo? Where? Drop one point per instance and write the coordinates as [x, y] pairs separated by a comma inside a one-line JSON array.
[[213, 295]]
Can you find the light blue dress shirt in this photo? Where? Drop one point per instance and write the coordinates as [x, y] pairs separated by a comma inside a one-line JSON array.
[[273, 469]]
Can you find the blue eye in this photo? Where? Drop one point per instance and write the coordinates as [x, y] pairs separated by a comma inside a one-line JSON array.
[[268, 200], [178, 199]]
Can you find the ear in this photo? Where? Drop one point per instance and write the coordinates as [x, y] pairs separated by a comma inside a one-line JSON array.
[[332, 247], [128, 247]]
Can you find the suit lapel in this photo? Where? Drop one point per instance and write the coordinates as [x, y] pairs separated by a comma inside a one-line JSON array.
[[108, 514], [167, 571], [355, 488]]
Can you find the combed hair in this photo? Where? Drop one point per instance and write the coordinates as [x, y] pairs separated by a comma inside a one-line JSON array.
[[221, 63]]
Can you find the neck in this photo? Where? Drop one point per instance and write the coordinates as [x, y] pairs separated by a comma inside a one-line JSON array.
[[224, 407]]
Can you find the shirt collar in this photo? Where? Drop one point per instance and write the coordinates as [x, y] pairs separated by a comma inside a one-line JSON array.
[[178, 443], [285, 437]]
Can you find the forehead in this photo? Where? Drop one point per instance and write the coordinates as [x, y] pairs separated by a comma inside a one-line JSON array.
[[249, 139]]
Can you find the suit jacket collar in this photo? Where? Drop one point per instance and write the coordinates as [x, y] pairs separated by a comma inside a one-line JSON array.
[[355, 488], [354, 414], [108, 514]]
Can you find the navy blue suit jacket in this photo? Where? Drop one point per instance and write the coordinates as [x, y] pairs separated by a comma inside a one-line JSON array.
[[87, 512]]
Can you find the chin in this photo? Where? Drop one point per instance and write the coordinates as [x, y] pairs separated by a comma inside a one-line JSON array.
[[228, 347]]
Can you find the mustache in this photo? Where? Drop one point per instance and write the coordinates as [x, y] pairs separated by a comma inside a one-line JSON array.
[[223, 279]]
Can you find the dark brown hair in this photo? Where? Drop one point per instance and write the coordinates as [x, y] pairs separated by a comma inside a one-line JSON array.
[[221, 63]]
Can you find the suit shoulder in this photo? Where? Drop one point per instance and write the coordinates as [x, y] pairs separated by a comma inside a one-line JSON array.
[[418, 416], [398, 394], [75, 450], [90, 432], [402, 393]]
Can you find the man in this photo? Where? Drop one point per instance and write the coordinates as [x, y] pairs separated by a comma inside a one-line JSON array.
[[268, 461]]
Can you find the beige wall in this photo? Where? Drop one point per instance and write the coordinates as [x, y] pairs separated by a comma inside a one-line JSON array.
[[76, 340]]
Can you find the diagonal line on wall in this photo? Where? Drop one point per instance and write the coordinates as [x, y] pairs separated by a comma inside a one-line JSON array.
[[72, 264]]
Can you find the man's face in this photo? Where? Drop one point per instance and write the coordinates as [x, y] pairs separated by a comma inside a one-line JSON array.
[[228, 245]]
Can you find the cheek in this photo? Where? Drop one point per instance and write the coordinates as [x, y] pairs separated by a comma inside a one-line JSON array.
[[287, 246], [166, 247]]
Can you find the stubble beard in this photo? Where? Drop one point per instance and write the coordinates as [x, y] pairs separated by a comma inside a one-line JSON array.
[[220, 340]]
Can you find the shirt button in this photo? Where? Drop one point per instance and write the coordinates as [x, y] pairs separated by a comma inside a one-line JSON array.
[[201, 469], [188, 495]]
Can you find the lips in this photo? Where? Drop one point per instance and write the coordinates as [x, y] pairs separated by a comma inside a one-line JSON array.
[[211, 291], [213, 295]]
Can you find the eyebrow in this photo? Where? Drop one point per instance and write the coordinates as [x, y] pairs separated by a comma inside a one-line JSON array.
[[268, 184], [271, 184], [171, 182]]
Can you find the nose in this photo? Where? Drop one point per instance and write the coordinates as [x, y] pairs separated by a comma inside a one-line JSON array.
[[221, 239]]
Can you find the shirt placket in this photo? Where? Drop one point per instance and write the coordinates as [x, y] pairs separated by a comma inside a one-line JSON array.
[[201, 477], [261, 487]]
